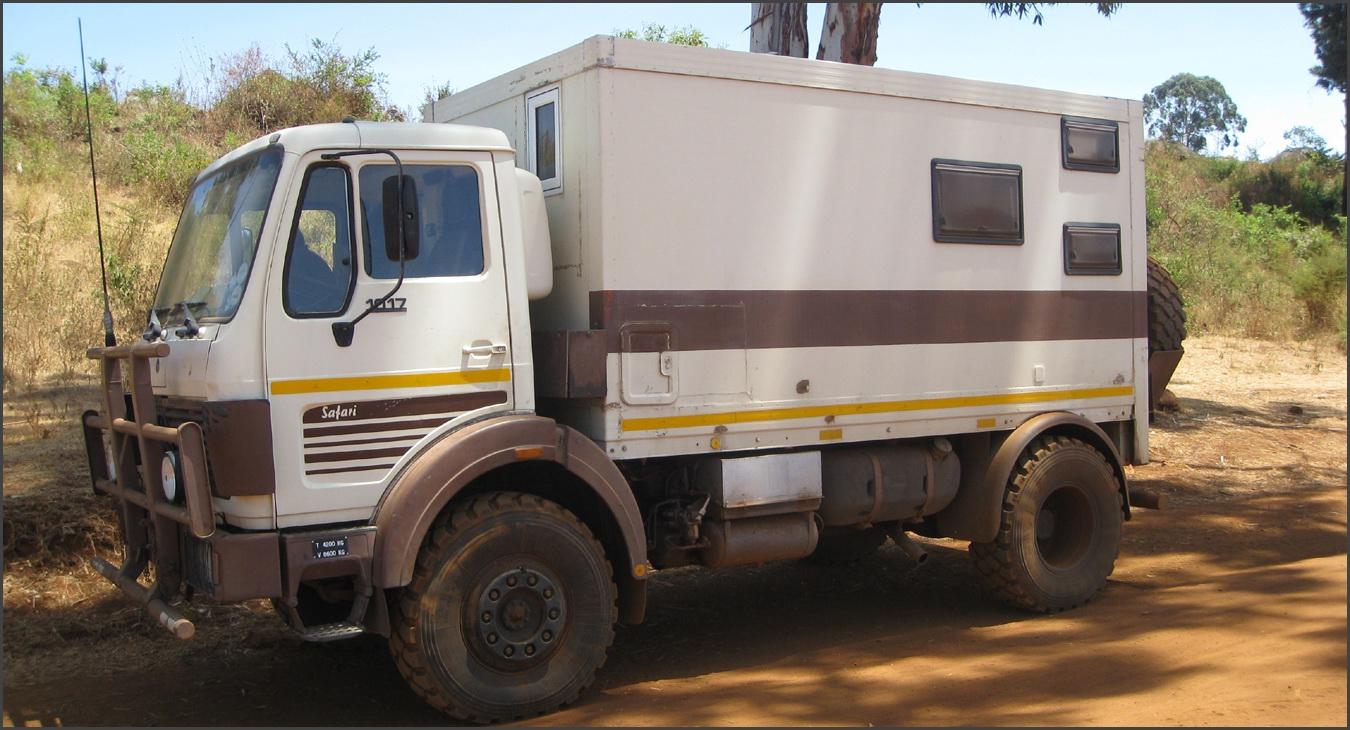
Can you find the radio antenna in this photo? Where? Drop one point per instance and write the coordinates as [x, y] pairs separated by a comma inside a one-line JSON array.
[[109, 339]]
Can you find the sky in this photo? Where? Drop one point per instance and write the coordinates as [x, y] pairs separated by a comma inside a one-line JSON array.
[[1261, 53]]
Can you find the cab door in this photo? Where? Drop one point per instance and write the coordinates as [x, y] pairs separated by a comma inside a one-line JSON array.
[[344, 419]]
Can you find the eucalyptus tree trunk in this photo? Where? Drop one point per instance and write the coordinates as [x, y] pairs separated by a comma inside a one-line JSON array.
[[849, 34], [778, 28]]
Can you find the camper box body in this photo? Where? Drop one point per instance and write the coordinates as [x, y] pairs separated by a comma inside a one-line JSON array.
[[746, 250]]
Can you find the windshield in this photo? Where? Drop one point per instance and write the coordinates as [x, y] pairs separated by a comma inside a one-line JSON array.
[[216, 240]]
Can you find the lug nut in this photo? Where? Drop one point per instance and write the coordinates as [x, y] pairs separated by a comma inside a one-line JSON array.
[[548, 593], [492, 638], [532, 580], [509, 650], [487, 617], [529, 650], [553, 614], [511, 581], [548, 636], [494, 594]]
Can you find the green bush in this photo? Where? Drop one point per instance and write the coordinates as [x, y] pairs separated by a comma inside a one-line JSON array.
[[1255, 269]]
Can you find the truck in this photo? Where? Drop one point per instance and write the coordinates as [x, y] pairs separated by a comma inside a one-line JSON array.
[[469, 383]]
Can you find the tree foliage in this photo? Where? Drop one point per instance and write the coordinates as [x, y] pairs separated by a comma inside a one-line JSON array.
[[1327, 23], [1192, 110], [317, 84], [1021, 10], [657, 33], [156, 138]]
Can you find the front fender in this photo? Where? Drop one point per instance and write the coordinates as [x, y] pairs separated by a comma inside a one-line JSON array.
[[419, 493]]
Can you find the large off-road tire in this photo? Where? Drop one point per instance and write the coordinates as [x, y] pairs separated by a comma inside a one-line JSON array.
[[1166, 315], [1059, 531], [510, 611]]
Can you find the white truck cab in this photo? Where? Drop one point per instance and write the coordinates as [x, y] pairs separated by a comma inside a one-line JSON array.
[[468, 385]]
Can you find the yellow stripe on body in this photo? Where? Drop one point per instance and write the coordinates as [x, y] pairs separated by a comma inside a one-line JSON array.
[[857, 409], [386, 382]]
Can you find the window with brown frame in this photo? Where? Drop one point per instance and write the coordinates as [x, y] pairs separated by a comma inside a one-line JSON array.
[[977, 202], [1092, 249], [1090, 144]]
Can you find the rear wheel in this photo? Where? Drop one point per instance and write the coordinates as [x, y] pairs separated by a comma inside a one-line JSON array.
[[510, 611], [1059, 531]]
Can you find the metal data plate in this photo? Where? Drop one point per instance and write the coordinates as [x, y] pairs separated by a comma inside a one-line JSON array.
[[769, 479], [330, 547]]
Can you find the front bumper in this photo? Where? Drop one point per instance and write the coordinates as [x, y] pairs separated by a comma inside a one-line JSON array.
[[179, 538]]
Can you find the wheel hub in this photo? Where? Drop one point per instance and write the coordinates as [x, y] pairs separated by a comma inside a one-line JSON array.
[[1064, 527], [521, 614]]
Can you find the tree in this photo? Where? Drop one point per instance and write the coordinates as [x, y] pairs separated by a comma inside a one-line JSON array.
[[1307, 139], [1191, 110], [778, 28], [850, 30], [850, 33], [1327, 23]]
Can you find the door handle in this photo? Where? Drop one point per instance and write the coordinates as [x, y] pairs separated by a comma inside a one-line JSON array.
[[493, 349]]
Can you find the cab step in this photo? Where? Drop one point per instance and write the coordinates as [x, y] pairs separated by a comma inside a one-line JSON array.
[[332, 632]]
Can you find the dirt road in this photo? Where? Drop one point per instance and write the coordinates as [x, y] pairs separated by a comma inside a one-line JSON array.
[[1227, 609]]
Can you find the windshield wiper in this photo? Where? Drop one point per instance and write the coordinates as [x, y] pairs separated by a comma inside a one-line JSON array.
[[153, 330], [189, 328]]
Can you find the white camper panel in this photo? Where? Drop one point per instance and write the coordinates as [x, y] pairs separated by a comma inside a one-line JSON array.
[[755, 236]]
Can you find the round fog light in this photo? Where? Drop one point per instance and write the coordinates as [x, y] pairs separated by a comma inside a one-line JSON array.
[[168, 474]]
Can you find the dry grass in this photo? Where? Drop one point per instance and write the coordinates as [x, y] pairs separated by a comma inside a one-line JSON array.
[[52, 278]]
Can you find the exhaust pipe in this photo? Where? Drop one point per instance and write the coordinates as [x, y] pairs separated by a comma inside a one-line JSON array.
[[911, 548]]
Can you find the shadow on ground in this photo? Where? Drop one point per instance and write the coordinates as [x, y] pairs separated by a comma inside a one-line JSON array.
[[813, 643]]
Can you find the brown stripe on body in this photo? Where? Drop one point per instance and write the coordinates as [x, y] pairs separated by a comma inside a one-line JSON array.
[[373, 427], [359, 442], [393, 407], [756, 319], [345, 469], [353, 455]]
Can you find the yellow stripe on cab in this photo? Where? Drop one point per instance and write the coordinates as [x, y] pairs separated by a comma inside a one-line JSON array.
[[386, 382]]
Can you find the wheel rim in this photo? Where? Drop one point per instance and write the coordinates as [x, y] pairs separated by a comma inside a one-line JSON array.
[[519, 617], [1064, 527]]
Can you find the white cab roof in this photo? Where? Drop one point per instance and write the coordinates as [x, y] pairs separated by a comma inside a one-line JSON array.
[[354, 135]]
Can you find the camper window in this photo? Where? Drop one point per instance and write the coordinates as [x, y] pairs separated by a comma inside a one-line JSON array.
[[319, 272], [544, 138], [1090, 144], [1091, 249], [977, 202]]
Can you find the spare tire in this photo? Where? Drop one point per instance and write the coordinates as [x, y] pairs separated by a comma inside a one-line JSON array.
[[1166, 316]]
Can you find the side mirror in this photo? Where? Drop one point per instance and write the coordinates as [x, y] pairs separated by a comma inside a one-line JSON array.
[[412, 218]]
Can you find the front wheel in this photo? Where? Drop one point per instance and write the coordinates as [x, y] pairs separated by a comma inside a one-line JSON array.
[[1059, 531], [510, 611]]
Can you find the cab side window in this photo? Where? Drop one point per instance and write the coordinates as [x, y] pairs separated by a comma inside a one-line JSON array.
[[450, 208], [319, 272]]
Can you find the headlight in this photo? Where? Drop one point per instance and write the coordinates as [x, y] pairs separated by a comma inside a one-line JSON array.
[[168, 473]]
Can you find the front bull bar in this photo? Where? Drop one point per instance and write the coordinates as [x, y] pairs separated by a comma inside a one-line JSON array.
[[148, 519]]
